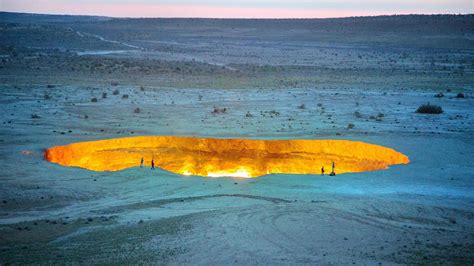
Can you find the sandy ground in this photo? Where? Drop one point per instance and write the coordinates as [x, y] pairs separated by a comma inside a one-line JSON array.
[[420, 213]]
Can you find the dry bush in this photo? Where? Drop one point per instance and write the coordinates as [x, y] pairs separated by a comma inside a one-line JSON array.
[[429, 109], [217, 110]]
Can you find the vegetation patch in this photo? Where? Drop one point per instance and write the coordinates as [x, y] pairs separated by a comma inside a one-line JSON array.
[[429, 109]]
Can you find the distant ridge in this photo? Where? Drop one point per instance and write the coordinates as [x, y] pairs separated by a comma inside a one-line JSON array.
[[14, 17], [20, 17]]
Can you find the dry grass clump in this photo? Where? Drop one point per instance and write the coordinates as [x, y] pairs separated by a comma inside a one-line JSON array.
[[429, 109], [217, 110], [273, 113], [116, 92], [379, 117], [104, 95], [125, 96], [350, 126], [35, 116], [358, 114], [94, 100], [302, 106], [137, 110]]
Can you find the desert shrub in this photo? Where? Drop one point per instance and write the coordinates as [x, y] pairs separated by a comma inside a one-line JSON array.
[[137, 110], [35, 116], [274, 113], [94, 100], [380, 115], [460, 95], [217, 110], [429, 109], [320, 104], [47, 97], [50, 86], [358, 114], [104, 95], [142, 88], [116, 92], [125, 96], [302, 106], [371, 117], [350, 126]]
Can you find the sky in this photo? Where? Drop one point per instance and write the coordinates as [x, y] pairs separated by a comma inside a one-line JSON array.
[[240, 8]]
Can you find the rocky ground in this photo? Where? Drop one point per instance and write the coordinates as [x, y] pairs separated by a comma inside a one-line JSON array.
[[64, 80]]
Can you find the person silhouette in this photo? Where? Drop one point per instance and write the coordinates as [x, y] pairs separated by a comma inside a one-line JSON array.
[[141, 163], [332, 172], [152, 164], [322, 170]]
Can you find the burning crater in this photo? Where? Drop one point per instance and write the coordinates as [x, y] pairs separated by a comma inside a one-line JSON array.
[[226, 157]]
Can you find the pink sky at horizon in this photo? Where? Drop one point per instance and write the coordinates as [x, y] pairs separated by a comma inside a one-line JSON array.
[[214, 9]]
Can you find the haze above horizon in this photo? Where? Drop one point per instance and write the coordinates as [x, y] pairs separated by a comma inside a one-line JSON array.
[[239, 9]]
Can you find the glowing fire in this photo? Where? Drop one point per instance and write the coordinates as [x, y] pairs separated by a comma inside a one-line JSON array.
[[239, 173], [226, 157]]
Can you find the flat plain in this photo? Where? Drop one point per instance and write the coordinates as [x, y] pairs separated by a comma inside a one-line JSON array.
[[67, 79]]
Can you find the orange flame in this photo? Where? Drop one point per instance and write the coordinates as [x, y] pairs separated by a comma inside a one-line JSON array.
[[226, 157]]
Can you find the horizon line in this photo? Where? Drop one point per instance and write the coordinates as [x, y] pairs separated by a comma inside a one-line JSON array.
[[243, 18]]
